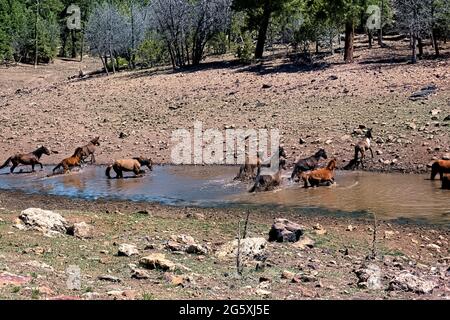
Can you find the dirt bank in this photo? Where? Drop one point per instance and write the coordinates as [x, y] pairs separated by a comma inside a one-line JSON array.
[[136, 112]]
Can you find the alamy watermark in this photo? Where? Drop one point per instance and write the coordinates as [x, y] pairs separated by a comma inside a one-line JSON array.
[[224, 147], [73, 17]]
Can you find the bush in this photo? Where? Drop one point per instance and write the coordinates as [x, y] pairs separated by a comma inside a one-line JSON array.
[[219, 43], [151, 52], [246, 49]]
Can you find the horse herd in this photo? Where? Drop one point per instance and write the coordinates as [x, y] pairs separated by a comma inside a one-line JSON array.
[[305, 170]]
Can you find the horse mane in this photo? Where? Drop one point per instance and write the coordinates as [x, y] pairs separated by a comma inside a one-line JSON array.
[[331, 165], [78, 152]]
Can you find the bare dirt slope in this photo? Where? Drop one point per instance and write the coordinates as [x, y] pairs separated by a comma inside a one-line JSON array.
[[322, 105]]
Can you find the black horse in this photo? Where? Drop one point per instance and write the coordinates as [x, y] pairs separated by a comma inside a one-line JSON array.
[[308, 164]]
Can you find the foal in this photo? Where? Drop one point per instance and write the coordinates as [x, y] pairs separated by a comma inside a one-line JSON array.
[[308, 164], [31, 159], [361, 148], [129, 165]]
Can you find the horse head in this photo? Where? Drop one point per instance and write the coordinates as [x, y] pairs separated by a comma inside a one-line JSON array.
[[95, 141], [44, 150], [332, 165], [322, 154]]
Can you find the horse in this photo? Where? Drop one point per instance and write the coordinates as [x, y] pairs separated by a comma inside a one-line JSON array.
[[89, 150], [361, 148], [308, 164], [316, 177], [73, 161], [129, 165], [31, 159], [268, 182], [247, 170], [441, 167]]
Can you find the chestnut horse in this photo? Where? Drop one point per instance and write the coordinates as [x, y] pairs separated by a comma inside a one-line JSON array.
[[308, 164], [129, 165], [31, 159], [316, 177], [441, 167], [73, 161]]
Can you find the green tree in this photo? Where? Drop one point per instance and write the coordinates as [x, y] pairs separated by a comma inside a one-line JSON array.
[[259, 13]]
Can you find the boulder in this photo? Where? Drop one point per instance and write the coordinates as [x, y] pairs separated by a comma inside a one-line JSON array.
[[127, 250], [285, 231], [369, 276], [184, 243], [251, 248], [304, 243], [157, 261], [81, 230], [44, 221], [406, 281]]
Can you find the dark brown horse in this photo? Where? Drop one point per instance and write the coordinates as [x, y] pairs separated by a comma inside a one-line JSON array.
[[440, 167], [308, 164], [89, 150], [31, 159]]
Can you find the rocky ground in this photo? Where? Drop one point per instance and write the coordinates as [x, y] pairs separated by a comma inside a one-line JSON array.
[[142, 251], [322, 105]]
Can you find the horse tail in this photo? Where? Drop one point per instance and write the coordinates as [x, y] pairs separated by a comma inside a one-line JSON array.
[[434, 170], [57, 167], [108, 172], [6, 163]]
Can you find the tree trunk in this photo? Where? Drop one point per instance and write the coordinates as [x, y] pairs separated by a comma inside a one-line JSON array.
[[435, 43], [133, 40], [414, 49], [349, 35], [82, 45], [317, 47], [104, 64], [36, 50], [380, 32], [262, 33], [370, 39], [420, 46], [74, 44]]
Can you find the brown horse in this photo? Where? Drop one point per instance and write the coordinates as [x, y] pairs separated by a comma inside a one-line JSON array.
[[308, 164], [441, 167], [316, 177], [129, 165], [89, 150], [268, 182], [73, 161], [31, 159]]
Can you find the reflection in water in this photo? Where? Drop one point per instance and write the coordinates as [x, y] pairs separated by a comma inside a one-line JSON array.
[[387, 195]]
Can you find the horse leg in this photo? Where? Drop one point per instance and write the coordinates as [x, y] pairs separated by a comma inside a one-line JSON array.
[[32, 167], [371, 151], [14, 166], [118, 171], [92, 159]]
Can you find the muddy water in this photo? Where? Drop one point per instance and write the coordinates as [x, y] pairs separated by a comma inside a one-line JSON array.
[[390, 196]]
